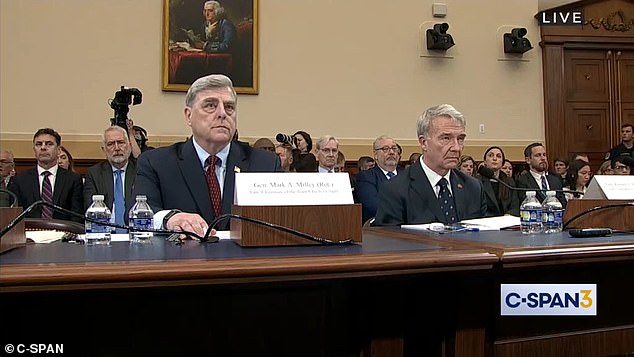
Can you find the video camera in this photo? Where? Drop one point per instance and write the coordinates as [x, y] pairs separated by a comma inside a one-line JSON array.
[[285, 139], [121, 105]]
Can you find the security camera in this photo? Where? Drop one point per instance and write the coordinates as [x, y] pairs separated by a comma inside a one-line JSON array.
[[438, 38], [514, 42]]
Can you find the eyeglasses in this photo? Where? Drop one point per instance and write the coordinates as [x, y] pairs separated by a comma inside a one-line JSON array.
[[387, 149], [268, 148], [6, 162], [329, 151], [621, 167]]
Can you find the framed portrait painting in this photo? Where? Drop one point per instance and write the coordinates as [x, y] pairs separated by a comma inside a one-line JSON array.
[[206, 37]]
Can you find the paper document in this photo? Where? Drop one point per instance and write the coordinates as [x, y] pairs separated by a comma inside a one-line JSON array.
[[44, 236], [493, 223]]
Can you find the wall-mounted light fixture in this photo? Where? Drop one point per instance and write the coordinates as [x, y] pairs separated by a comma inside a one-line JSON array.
[[514, 42], [438, 38]]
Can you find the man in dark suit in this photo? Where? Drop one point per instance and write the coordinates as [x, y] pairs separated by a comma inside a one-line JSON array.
[[537, 177], [101, 178], [188, 184], [31, 185], [433, 190], [369, 181]]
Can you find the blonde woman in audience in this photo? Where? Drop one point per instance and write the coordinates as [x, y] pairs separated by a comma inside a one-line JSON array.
[[605, 168], [467, 165], [577, 179]]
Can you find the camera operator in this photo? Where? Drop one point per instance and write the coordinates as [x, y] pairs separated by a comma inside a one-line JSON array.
[[138, 138]]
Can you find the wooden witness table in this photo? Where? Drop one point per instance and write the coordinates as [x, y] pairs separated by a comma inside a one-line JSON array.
[[385, 297], [401, 292]]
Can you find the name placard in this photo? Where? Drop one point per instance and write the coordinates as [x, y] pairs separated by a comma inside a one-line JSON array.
[[611, 187], [292, 189]]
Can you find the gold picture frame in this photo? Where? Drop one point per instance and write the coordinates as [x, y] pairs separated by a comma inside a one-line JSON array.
[[224, 41]]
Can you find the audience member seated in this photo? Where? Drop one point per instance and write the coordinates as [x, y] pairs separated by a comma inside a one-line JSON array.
[[507, 168], [264, 144], [500, 199], [626, 147], [414, 158], [303, 142], [7, 168], [305, 163], [561, 167], [370, 181], [433, 190], [605, 168], [65, 160], [49, 182], [327, 152], [577, 178], [365, 163], [341, 162], [285, 153], [467, 164], [537, 177], [113, 178], [619, 165]]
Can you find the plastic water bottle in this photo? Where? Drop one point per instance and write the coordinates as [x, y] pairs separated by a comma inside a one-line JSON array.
[[98, 233], [553, 213], [141, 217], [531, 214]]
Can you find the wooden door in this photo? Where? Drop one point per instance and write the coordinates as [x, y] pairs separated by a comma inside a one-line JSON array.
[[624, 71]]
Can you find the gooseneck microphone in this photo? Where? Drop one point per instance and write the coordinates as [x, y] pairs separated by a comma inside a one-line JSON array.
[[488, 173], [206, 238]]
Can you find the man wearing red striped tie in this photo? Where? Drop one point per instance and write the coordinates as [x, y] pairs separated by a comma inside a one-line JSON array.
[[47, 181]]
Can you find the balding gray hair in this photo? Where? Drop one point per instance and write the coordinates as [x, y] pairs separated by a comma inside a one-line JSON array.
[[382, 137], [323, 141], [443, 110], [212, 81]]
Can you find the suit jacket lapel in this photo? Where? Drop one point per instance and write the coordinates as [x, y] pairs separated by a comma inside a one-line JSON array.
[[421, 186], [488, 189], [459, 195], [130, 176], [35, 186], [236, 158], [379, 174], [194, 177], [107, 178], [60, 182]]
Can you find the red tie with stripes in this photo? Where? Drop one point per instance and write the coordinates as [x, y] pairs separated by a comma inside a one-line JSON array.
[[47, 195], [212, 183]]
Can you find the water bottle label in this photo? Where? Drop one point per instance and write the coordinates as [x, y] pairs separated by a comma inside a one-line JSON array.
[[553, 217], [97, 228], [143, 223], [531, 215]]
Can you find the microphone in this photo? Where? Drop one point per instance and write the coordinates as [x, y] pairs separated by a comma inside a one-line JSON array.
[[14, 198], [488, 173], [36, 204], [207, 238]]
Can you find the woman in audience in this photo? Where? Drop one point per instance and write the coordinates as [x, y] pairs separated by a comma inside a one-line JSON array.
[[500, 199], [467, 164], [303, 142], [507, 168], [577, 178], [65, 160], [605, 168]]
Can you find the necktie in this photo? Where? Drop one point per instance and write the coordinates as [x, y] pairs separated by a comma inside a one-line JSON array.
[[212, 184], [390, 174], [445, 199], [47, 195], [119, 202], [544, 183]]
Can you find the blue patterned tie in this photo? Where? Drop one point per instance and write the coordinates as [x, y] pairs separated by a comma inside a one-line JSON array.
[[119, 202], [390, 174], [447, 206], [544, 183]]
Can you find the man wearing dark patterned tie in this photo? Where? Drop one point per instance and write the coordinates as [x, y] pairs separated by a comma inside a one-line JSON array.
[[185, 182], [48, 182], [113, 178], [433, 190], [537, 177]]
